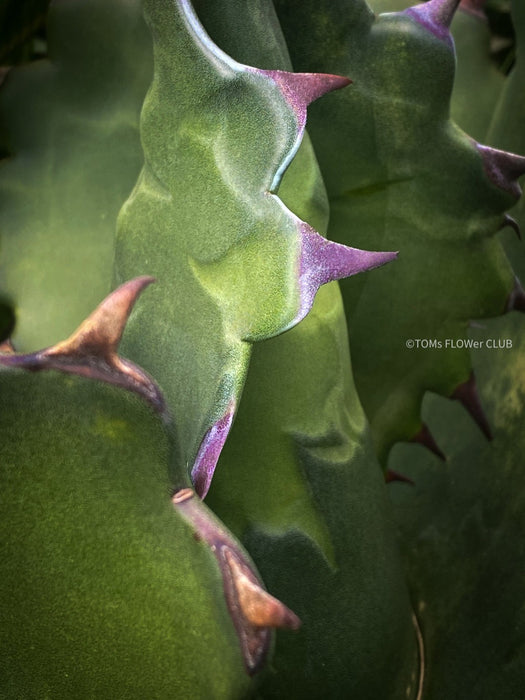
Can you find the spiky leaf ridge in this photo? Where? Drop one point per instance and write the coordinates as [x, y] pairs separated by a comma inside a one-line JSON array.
[[302, 463], [428, 190], [246, 268]]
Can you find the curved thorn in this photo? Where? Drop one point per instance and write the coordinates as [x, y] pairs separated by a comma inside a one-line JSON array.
[[510, 221], [516, 299], [101, 332], [323, 261], [209, 451], [253, 611], [301, 89], [424, 437], [391, 476], [503, 168], [91, 351], [467, 394], [259, 607], [436, 16]]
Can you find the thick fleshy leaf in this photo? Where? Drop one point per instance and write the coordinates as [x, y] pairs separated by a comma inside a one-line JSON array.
[[297, 478], [217, 141], [399, 173], [461, 529], [92, 350], [103, 586]]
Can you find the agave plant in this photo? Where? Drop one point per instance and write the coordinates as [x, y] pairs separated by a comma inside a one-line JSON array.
[[186, 471]]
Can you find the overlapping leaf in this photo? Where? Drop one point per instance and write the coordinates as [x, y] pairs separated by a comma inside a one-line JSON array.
[[462, 530], [103, 589], [245, 268], [33, 244], [401, 175], [297, 477]]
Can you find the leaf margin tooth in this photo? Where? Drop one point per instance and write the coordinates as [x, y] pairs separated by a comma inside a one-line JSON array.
[[503, 168], [425, 438], [209, 452], [240, 582], [436, 16], [91, 350], [301, 89], [322, 261], [467, 394]]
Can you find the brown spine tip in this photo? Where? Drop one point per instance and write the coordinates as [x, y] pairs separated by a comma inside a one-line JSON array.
[[391, 475], [101, 332], [510, 221], [258, 607], [91, 351], [503, 168], [467, 394], [516, 299], [253, 611], [424, 437]]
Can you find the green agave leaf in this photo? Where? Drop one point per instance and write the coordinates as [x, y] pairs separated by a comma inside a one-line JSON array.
[[104, 589], [300, 444], [400, 175], [297, 479], [507, 128], [71, 126], [461, 530], [234, 265], [92, 351]]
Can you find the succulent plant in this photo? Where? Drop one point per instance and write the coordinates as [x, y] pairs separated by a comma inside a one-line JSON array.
[[147, 161], [428, 190]]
